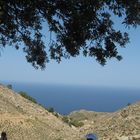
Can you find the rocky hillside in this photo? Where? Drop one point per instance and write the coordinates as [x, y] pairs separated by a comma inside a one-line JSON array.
[[121, 125], [24, 120]]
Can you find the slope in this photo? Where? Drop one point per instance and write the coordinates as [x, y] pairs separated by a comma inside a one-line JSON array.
[[22, 120]]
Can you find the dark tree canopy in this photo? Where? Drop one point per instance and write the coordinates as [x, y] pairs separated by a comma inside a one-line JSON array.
[[79, 26]]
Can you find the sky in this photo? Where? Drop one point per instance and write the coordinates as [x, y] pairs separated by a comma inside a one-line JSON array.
[[77, 71]]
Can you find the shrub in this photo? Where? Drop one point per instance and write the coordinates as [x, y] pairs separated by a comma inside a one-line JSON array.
[[25, 95], [76, 123], [56, 114], [50, 109], [71, 122], [9, 86], [65, 119], [128, 104]]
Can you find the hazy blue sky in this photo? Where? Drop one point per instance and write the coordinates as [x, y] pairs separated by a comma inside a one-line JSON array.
[[77, 71]]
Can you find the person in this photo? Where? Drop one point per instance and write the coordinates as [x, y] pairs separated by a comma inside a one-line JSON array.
[[3, 136], [91, 136]]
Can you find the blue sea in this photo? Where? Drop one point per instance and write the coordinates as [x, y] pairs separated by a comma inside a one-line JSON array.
[[65, 99]]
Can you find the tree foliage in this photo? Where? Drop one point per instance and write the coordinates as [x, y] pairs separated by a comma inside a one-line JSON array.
[[79, 26]]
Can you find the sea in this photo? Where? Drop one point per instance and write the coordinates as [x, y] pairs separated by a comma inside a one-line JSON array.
[[65, 98]]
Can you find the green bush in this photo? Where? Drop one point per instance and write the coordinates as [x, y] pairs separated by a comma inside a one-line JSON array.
[[71, 122], [76, 123], [25, 95], [10, 86], [56, 114], [50, 109], [128, 104], [65, 119]]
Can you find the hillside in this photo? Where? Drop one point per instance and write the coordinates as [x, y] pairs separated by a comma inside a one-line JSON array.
[[121, 125], [24, 120]]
